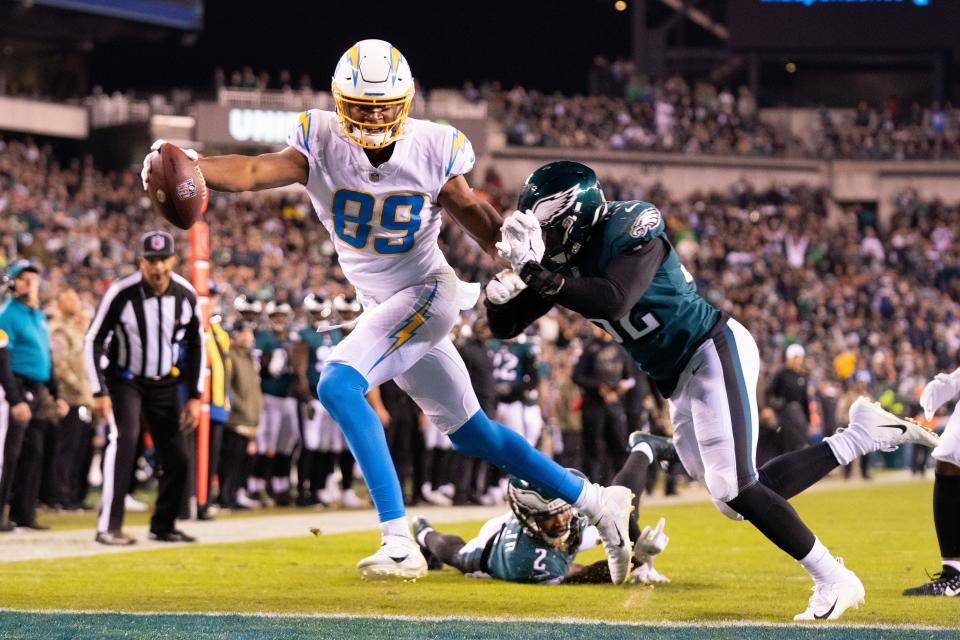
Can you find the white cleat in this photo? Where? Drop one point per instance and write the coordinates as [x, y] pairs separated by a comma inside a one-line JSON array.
[[350, 500], [887, 430], [399, 557], [613, 526], [831, 599], [133, 505]]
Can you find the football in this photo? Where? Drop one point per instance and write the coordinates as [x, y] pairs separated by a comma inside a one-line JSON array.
[[176, 186]]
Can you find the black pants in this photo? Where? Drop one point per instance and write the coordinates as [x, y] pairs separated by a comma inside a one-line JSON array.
[[159, 405], [74, 448], [793, 428], [234, 466], [12, 436], [604, 440], [572, 456], [29, 475], [214, 444], [50, 463], [406, 447]]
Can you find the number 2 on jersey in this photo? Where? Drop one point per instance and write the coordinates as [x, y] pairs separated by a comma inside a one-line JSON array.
[[353, 213]]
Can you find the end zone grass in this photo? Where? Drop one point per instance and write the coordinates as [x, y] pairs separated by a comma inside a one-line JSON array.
[[721, 570]]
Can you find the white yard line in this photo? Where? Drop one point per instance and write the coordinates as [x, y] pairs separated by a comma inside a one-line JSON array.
[[42, 545]]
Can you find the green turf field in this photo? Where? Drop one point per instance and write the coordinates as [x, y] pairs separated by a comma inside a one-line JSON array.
[[722, 571]]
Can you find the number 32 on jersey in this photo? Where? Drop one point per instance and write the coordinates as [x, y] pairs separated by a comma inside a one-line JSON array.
[[399, 216]]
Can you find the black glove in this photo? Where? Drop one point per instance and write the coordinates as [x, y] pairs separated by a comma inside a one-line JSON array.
[[540, 279]]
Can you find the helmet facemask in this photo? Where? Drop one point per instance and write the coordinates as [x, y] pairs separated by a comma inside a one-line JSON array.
[[372, 123]]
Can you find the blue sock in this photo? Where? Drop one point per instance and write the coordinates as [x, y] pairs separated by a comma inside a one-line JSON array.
[[341, 391], [481, 437]]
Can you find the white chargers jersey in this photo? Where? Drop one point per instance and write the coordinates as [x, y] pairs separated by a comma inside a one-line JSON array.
[[384, 221]]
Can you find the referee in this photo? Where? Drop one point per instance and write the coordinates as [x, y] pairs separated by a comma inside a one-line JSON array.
[[143, 323]]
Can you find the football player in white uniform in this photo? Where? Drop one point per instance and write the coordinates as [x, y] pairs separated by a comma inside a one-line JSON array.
[[378, 181]]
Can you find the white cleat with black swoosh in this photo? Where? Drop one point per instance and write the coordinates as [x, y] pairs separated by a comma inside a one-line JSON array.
[[887, 430], [399, 557], [613, 525], [831, 599]]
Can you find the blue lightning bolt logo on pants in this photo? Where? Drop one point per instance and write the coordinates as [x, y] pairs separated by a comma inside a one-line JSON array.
[[408, 328]]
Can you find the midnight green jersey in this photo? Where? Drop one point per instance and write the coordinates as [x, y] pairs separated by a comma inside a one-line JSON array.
[[670, 320], [515, 369], [320, 344], [276, 352], [516, 557]]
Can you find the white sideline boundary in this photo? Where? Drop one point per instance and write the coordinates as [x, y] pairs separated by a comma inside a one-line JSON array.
[[682, 624]]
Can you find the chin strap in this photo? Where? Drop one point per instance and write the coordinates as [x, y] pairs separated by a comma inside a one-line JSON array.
[[540, 279]]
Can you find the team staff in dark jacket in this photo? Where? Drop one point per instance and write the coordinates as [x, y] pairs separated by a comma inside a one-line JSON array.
[[474, 475], [142, 324], [787, 394], [604, 374], [25, 368]]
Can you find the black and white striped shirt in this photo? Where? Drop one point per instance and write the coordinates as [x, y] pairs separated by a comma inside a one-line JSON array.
[[142, 334]]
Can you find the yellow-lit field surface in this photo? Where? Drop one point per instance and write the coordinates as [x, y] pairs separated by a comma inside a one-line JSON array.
[[721, 571]]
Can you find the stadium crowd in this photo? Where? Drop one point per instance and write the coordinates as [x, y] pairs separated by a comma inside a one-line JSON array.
[[675, 116], [621, 109], [875, 307]]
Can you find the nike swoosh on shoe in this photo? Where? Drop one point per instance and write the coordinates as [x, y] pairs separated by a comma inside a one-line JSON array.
[[619, 536], [829, 611], [400, 559], [902, 428]]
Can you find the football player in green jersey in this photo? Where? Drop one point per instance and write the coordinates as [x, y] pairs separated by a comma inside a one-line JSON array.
[[612, 262], [516, 372], [317, 340], [538, 540], [278, 433]]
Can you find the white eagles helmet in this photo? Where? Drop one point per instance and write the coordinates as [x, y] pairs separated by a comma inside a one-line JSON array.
[[532, 509], [347, 308], [372, 75], [274, 308], [247, 304], [320, 307]]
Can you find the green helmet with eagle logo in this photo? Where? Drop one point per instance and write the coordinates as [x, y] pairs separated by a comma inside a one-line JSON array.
[[567, 199]]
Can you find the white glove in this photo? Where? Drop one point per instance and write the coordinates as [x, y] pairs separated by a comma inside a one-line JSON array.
[[646, 574], [278, 362], [522, 239], [155, 151], [939, 391], [651, 542], [504, 287]]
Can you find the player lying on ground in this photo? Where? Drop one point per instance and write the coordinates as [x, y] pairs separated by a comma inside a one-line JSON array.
[[378, 180], [538, 541], [612, 262], [946, 487]]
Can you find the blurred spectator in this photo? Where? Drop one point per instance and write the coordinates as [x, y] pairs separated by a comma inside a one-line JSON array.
[[75, 441], [239, 436]]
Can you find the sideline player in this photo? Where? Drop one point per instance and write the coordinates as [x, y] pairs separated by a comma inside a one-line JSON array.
[[538, 540], [277, 435], [946, 487], [516, 370], [377, 180], [612, 262]]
